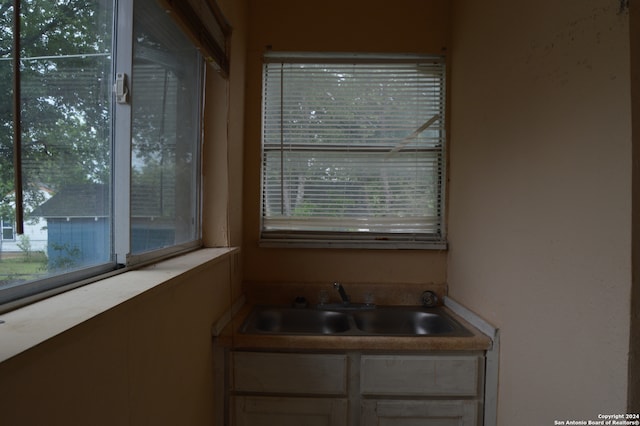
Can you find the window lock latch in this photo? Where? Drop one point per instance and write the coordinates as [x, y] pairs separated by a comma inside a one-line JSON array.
[[120, 88]]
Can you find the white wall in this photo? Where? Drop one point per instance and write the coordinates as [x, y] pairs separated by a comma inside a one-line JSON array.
[[540, 198], [37, 234]]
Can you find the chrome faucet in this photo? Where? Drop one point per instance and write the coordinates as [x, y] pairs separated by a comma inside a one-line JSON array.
[[346, 300], [343, 294]]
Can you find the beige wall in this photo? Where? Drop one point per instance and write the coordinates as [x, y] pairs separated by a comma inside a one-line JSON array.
[[540, 216], [406, 26], [540, 199], [223, 145], [148, 361]]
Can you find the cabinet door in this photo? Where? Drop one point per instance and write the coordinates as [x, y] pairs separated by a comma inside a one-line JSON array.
[[285, 373], [419, 413], [420, 375], [289, 411]]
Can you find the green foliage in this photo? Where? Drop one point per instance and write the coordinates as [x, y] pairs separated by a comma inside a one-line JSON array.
[[19, 268], [65, 96], [24, 244], [66, 258]]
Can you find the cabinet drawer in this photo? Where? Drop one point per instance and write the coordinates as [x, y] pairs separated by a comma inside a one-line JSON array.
[[411, 375], [289, 411], [289, 373], [412, 413]]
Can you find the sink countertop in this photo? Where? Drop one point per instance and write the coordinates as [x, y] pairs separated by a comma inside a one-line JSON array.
[[231, 337]]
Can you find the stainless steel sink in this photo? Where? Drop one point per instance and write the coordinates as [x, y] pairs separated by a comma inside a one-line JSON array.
[[381, 321], [296, 321], [400, 321]]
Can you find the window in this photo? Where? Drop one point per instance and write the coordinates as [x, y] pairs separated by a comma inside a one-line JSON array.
[[7, 230], [353, 151], [110, 97], [165, 114]]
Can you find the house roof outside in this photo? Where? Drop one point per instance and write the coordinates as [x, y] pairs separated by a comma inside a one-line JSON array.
[[84, 200], [92, 200]]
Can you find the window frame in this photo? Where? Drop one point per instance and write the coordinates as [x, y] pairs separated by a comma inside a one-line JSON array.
[[356, 240], [122, 154], [20, 294]]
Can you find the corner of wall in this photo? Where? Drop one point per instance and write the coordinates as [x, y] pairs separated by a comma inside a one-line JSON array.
[[633, 393]]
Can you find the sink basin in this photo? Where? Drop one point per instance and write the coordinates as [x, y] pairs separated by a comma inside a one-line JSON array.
[[403, 322], [380, 321], [296, 321]]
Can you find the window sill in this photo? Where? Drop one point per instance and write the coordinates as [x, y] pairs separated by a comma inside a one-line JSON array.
[[33, 324], [354, 244], [371, 245]]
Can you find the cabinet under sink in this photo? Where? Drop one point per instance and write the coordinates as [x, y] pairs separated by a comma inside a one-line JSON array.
[[397, 365], [354, 388]]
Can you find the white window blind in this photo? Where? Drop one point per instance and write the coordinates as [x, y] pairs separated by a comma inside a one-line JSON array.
[[204, 23], [353, 149]]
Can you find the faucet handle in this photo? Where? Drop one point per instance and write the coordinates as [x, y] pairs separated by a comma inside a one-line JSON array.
[[429, 299]]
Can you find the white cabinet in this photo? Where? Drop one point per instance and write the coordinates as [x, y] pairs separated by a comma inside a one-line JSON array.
[[419, 413], [282, 389], [420, 375], [286, 373], [419, 385], [289, 411], [355, 389]]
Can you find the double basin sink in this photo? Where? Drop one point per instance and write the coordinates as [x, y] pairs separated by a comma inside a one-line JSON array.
[[378, 321]]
